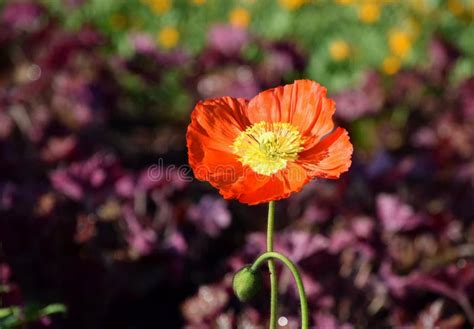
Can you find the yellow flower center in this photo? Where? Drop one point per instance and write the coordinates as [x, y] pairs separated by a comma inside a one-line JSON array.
[[267, 147]]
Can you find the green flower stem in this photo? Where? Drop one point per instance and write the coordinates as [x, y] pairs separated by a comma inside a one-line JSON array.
[[304, 303], [271, 267]]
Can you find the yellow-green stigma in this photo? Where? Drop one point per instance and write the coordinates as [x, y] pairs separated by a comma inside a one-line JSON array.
[[267, 147]]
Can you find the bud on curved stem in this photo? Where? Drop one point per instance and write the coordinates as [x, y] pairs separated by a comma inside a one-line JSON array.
[[299, 282], [247, 283]]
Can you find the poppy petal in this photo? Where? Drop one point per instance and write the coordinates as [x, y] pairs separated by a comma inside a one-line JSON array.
[[278, 186], [330, 157], [214, 125], [303, 104], [249, 181], [219, 121]]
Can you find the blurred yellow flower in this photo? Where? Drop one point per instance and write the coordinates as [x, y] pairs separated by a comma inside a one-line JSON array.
[[422, 6], [470, 8], [456, 7], [399, 43], [412, 26], [339, 50], [118, 21], [369, 12], [239, 17], [168, 37], [198, 2], [344, 2], [291, 4], [391, 65], [159, 6]]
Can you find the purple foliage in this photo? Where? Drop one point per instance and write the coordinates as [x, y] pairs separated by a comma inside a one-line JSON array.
[[210, 215], [368, 100], [227, 40], [395, 215], [20, 15]]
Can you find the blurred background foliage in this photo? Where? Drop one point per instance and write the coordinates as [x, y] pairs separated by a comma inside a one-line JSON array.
[[341, 38], [102, 226]]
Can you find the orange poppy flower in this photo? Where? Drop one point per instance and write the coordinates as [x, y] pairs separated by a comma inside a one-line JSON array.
[[266, 148]]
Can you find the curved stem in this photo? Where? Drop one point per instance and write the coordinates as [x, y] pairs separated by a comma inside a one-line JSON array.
[[271, 267], [299, 282]]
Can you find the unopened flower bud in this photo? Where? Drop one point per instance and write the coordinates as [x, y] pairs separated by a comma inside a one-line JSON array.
[[247, 283]]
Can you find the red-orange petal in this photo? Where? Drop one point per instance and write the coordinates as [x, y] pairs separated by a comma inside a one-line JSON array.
[[214, 125], [330, 157], [249, 181], [275, 187], [303, 104]]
